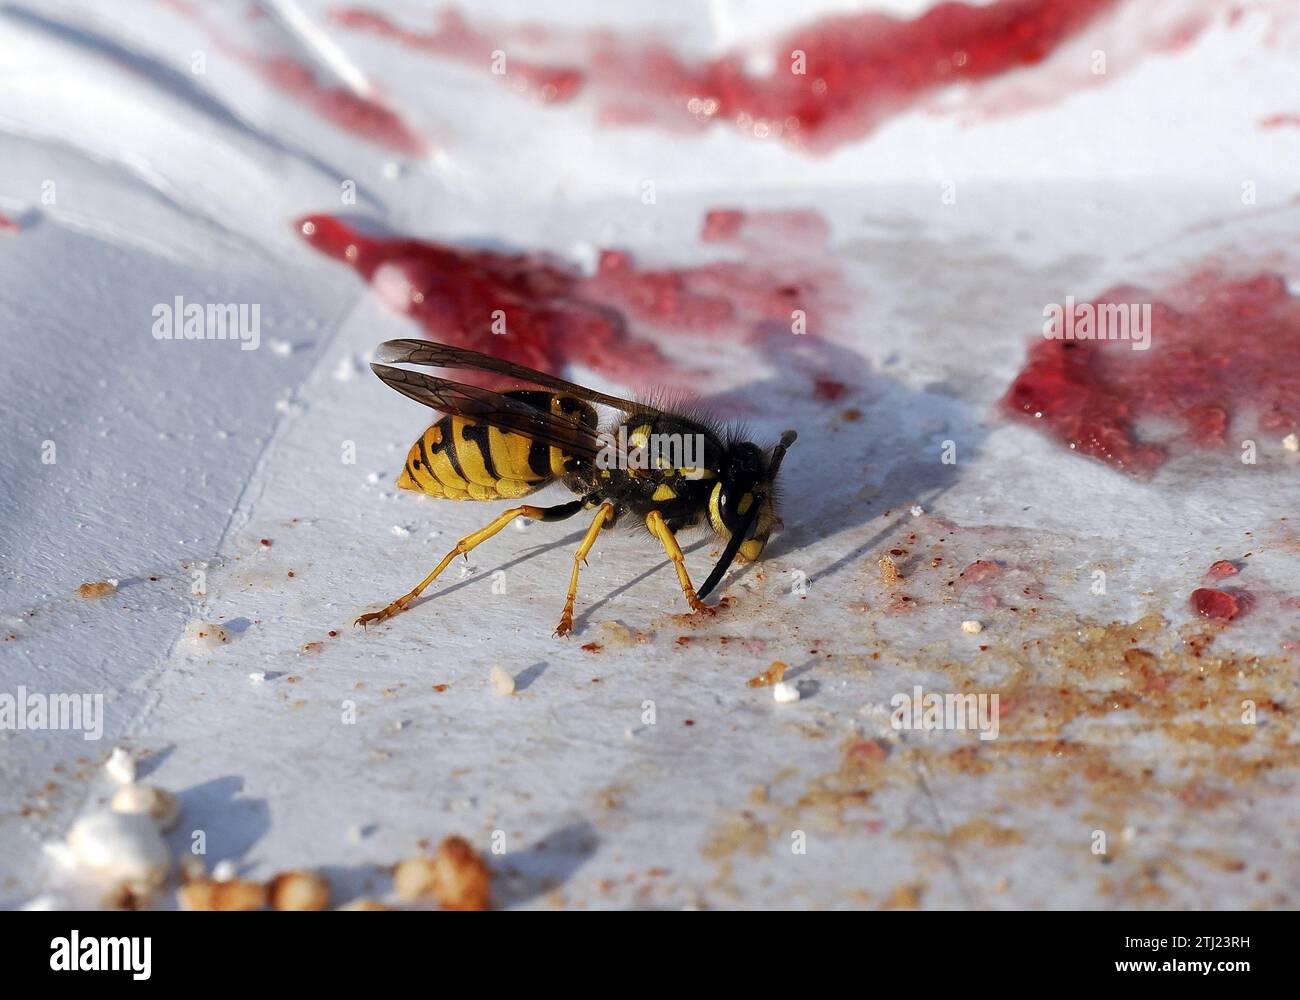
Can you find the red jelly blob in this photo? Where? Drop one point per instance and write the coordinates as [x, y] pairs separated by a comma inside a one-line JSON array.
[[544, 313], [1217, 605], [1219, 349], [1222, 568], [831, 81]]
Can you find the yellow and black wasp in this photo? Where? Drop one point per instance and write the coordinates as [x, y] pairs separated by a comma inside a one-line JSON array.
[[667, 470]]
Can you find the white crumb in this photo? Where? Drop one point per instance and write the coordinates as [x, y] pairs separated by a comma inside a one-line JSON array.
[[124, 847], [281, 348], [501, 680], [257, 676], [162, 806], [972, 627], [917, 510], [1291, 442], [401, 531], [224, 871], [785, 692], [205, 635], [120, 766]]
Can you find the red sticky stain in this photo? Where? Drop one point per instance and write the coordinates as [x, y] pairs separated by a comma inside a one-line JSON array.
[[1280, 120], [980, 571], [544, 313], [826, 82], [358, 114], [454, 38], [1217, 605], [1220, 349], [829, 389], [1222, 568]]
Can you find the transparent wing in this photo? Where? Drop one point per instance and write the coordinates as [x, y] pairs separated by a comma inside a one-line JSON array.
[[495, 410], [434, 355]]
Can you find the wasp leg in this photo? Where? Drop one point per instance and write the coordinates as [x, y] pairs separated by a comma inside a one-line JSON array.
[[604, 516], [655, 522], [558, 513]]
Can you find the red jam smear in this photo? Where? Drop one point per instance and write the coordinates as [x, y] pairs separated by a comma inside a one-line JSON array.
[[858, 69], [552, 314], [1217, 605], [1222, 350], [360, 115]]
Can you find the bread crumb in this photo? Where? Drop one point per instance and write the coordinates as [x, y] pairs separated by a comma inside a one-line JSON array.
[[1291, 442], [888, 570], [455, 876], [205, 634], [224, 870], [772, 675], [413, 878], [161, 805], [785, 692], [101, 588], [233, 895], [501, 680], [972, 627], [120, 766], [462, 879], [299, 890], [917, 510], [363, 904], [122, 847]]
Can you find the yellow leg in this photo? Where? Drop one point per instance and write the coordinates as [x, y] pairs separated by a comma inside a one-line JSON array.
[[462, 548], [603, 516], [659, 528]]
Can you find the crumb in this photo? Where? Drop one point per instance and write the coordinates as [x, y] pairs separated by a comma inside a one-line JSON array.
[[206, 635], [161, 805], [299, 890], [413, 878], [232, 895], [972, 627], [440, 688], [888, 570], [364, 904], [785, 692], [501, 680], [127, 848], [772, 675], [224, 870], [1291, 442], [257, 676], [120, 766], [916, 510], [290, 573], [266, 542], [592, 647], [462, 881], [313, 647], [101, 588]]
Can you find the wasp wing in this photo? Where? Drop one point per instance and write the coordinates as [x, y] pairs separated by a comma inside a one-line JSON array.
[[435, 355], [495, 410]]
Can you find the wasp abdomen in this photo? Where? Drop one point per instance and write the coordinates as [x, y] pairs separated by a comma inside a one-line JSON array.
[[461, 459]]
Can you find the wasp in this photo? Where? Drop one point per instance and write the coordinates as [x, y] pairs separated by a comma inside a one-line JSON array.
[[667, 470]]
